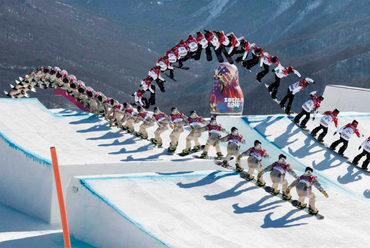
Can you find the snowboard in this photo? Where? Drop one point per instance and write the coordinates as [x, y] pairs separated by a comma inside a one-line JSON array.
[[295, 203], [210, 157], [270, 190], [182, 68], [275, 100], [219, 162], [168, 76], [191, 151]]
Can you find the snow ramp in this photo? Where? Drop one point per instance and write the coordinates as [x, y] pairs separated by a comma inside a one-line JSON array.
[[85, 144], [333, 170], [217, 208], [205, 209]]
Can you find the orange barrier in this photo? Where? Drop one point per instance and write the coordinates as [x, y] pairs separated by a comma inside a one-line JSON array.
[[58, 183]]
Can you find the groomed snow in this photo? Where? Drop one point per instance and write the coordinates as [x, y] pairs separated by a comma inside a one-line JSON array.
[[186, 206], [219, 209]]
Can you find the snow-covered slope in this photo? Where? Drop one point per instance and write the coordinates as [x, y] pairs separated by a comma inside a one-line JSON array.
[[207, 209], [136, 195]]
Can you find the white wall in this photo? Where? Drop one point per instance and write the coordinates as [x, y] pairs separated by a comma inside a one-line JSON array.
[[108, 229], [346, 98], [25, 183]]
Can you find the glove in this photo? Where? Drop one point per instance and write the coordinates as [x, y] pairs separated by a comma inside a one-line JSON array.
[[259, 175], [326, 194], [287, 191]]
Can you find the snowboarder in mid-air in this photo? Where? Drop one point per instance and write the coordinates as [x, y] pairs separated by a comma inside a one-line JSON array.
[[366, 152], [277, 173], [307, 108], [257, 56], [280, 72], [256, 154], [292, 90], [155, 74], [327, 118], [267, 61], [345, 133], [303, 185]]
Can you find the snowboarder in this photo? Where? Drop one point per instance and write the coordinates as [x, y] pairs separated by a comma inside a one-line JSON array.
[[307, 108], [117, 113], [280, 72], [257, 56], [71, 85], [235, 43], [256, 154], [195, 123], [101, 98], [245, 47], [182, 49], [303, 186], [267, 61], [173, 55], [277, 173], [139, 99], [162, 121], [234, 140], [178, 120], [345, 134], [87, 97], [59, 76], [212, 39], [192, 44], [155, 74], [292, 90], [164, 63], [366, 152], [93, 101], [108, 105], [146, 85], [214, 135], [202, 44], [328, 117], [129, 117], [147, 121]]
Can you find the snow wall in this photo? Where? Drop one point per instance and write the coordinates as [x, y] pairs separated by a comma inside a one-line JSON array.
[[346, 98], [108, 227], [26, 181]]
